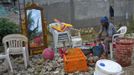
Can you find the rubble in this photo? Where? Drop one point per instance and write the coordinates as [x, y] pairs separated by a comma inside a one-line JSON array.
[[39, 66]]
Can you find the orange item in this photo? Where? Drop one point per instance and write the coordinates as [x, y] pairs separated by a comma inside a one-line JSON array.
[[75, 60]]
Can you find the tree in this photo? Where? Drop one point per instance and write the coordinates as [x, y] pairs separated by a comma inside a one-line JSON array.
[[7, 27]]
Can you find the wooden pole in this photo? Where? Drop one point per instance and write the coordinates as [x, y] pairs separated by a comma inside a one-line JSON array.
[[20, 20]]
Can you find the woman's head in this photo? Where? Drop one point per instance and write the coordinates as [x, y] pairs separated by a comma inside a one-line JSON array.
[[104, 21]]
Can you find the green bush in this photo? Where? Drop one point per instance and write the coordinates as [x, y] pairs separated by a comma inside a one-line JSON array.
[[7, 27]]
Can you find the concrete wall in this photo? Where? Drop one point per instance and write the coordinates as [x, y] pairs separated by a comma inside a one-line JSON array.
[[59, 10], [85, 13], [123, 10], [88, 12], [81, 13]]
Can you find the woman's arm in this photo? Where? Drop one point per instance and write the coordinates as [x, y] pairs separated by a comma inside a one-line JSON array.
[[100, 32]]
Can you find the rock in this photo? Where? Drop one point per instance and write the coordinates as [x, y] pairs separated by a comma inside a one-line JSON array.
[[49, 69], [10, 73], [54, 68], [35, 73], [88, 59], [46, 73], [77, 72], [58, 65], [38, 68], [65, 74], [31, 70], [56, 58], [19, 74], [39, 63], [3, 68], [21, 67], [62, 72], [86, 73], [59, 60], [56, 72], [62, 64], [96, 58], [81, 74], [41, 73], [50, 64], [5, 74], [23, 72], [58, 69], [90, 68], [30, 64], [15, 72], [70, 74]]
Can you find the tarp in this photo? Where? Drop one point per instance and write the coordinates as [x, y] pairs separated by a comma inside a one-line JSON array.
[[3, 11]]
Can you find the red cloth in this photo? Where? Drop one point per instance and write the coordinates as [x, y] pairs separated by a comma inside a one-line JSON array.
[[61, 52]]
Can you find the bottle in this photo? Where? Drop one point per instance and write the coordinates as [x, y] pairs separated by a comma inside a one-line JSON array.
[[91, 62]]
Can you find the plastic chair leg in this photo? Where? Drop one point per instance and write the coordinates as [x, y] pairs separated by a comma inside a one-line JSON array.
[[55, 39], [111, 51], [9, 62], [25, 58]]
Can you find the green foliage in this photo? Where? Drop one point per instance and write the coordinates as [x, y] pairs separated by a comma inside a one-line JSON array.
[[7, 27], [131, 27]]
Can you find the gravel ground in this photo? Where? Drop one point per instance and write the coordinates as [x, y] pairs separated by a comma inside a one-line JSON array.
[[39, 66]]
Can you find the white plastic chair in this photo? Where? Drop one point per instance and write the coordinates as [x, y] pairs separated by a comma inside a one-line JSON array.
[[76, 39], [16, 44], [58, 36], [120, 33]]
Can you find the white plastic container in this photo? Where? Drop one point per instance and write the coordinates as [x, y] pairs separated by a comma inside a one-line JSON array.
[[107, 67], [76, 41]]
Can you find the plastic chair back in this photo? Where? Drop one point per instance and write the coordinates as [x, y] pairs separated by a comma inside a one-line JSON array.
[[120, 33], [122, 30], [15, 42]]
